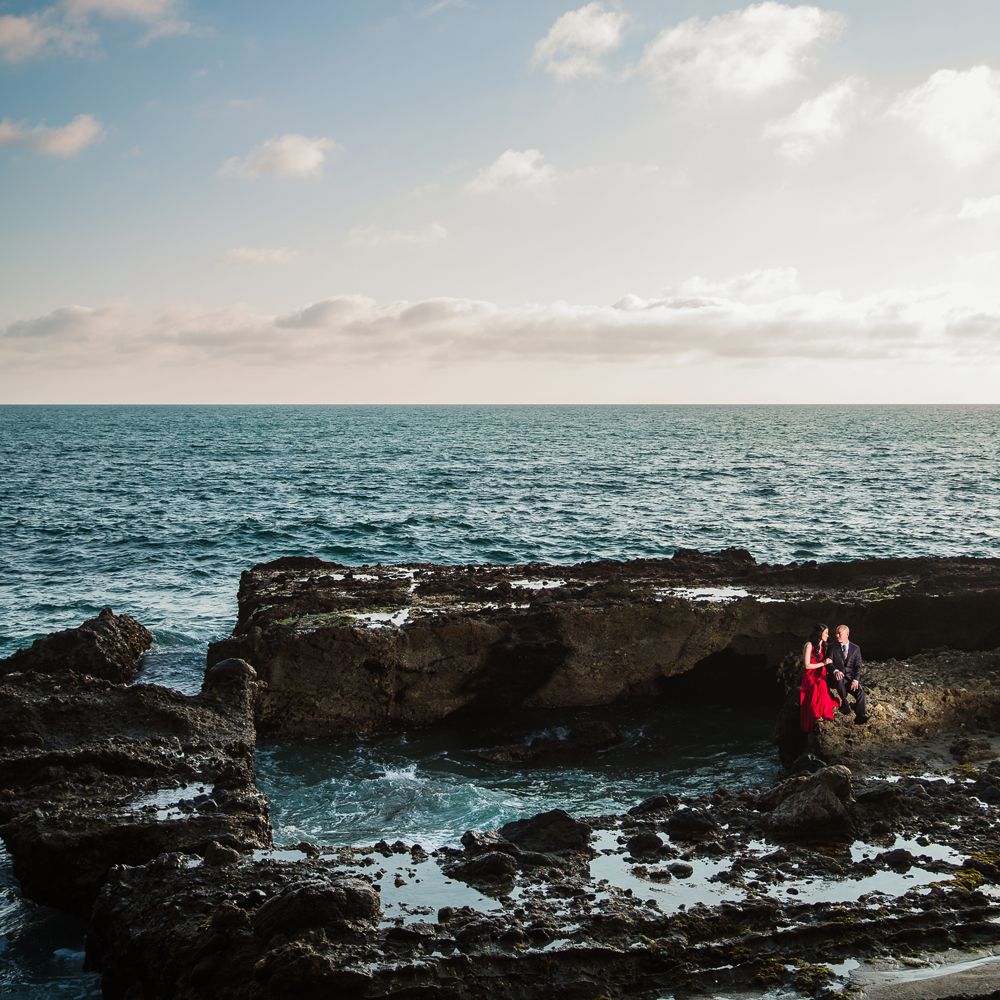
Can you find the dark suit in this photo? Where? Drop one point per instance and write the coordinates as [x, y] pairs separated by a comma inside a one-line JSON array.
[[850, 667]]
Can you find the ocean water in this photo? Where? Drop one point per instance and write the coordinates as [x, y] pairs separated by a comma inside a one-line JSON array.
[[156, 511]]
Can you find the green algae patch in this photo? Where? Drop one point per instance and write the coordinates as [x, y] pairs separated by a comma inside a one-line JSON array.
[[329, 619], [968, 879], [806, 977]]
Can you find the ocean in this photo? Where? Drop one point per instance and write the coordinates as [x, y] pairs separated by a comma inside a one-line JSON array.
[[155, 511]]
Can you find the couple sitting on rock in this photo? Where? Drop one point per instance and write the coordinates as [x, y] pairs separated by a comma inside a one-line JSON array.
[[832, 672]]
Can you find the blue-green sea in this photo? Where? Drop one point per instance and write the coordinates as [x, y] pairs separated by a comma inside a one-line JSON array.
[[156, 511]]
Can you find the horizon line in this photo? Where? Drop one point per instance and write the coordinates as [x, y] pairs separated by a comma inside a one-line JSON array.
[[728, 403]]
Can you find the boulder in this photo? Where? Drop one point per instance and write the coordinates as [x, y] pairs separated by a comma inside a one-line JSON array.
[[333, 904], [549, 832], [493, 866], [109, 646], [655, 803], [691, 824], [643, 843], [811, 806]]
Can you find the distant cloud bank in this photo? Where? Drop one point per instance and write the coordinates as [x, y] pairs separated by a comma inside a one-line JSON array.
[[760, 316]]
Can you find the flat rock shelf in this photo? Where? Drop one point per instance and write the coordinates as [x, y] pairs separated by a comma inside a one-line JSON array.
[[365, 649]]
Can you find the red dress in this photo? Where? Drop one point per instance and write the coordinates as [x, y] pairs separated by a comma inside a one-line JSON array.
[[815, 701]]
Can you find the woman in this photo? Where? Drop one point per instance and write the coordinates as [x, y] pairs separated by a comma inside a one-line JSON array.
[[815, 700]]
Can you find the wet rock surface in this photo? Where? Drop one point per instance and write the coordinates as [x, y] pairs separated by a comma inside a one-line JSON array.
[[94, 774], [582, 739], [613, 915], [108, 646], [349, 649]]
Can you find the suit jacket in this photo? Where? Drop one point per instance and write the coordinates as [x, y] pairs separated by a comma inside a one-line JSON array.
[[849, 665]]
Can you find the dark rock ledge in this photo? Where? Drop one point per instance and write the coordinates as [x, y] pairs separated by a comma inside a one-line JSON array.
[[101, 800], [363, 649]]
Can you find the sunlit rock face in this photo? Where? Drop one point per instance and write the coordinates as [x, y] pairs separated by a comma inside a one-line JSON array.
[[348, 650]]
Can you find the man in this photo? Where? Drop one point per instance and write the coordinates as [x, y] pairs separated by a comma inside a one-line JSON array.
[[846, 672]]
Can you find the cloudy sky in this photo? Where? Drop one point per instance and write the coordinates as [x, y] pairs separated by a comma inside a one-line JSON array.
[[499, 201]]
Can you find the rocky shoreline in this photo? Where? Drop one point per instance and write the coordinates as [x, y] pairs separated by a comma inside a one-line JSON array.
[[137, 806]]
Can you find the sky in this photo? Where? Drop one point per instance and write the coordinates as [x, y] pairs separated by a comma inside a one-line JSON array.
[[499, 201]]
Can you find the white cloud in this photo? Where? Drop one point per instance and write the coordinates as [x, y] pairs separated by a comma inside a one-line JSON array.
[[744, 52], [757, 317], [958, 110], [578, 41], [162, 17], [39, 34], [817, 122], [376, 237], [63, 142], [260, 255], [762, 285], [980, 208], [67, 27], [439, 5], [289, 155], [514, 169]]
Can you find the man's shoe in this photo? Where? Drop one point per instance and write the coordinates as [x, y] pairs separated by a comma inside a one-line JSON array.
[[861, 720], [845, 709]]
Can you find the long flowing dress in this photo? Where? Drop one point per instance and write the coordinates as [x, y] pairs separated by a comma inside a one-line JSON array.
[[815, 700]]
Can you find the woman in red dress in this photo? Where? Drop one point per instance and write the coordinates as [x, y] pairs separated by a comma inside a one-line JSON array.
[[815, 700]]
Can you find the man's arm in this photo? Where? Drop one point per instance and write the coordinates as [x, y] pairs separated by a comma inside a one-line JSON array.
[[837, 655], [855, 668]]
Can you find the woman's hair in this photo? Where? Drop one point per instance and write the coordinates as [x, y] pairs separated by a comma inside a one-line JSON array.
[[816, 635]]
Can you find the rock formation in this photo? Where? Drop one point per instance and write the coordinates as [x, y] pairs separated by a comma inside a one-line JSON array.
[[138, 805], [108, 646], [361, 650], [94, 774]]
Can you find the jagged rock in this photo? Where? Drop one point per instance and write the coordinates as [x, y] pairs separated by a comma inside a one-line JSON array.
[[655, 803], [331, 904], [811, 805], [120, 775], [254, 930], [548, 832], [109, 646], [806, 764], [486, 840], [478, 639]]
